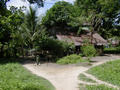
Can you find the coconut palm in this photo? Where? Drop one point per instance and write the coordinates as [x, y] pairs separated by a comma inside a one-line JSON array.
[[30, 28]]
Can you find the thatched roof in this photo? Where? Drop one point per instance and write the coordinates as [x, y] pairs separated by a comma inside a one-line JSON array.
[[79, 40]]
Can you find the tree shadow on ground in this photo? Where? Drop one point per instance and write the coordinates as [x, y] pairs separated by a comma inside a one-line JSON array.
[[14, 60]]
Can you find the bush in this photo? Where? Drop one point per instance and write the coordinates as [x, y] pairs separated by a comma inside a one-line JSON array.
[[58, 48], [55, 47], [69, 48], [118, 48], [112, 50], [71, 59], [88, 51]]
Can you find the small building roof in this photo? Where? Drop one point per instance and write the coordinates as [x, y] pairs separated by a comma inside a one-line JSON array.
[[79, 40]]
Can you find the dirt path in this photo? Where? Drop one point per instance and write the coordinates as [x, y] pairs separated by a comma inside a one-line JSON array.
[[65, 77]]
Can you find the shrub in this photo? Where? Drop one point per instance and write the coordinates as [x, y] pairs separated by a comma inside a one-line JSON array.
[[68, 47], [71, 59], [58, 48], [55, 47], [118, 48], [88, 51], [112, 50]]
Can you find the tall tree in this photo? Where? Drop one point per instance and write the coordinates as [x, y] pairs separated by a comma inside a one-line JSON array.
[[30, 27], [9, 24], [59, 16], [101, 13]]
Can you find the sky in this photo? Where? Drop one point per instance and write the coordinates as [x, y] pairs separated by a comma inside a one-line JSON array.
[[47, 5]]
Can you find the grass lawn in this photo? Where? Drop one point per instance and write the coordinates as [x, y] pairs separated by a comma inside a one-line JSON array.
[[109, 72], [15, 77], [93, 87], [86, 79], [71, 59]]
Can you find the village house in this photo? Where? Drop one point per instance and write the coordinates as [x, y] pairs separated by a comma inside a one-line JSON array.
[[79, 40]]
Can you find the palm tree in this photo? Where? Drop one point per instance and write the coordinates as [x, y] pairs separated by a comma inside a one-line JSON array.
[[29, 30], [30, 27]]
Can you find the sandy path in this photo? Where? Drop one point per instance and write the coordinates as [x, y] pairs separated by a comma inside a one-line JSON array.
[[62, 77], [65, 77]]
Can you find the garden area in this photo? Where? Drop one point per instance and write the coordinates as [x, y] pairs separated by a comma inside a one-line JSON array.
[[70, 46]]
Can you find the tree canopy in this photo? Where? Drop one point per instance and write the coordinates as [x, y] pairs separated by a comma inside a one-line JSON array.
[[104, 11], [22, 31], [107, 8], [59, 15], [39, 2]]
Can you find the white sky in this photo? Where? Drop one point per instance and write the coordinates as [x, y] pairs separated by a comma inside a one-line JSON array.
[[48, 4]]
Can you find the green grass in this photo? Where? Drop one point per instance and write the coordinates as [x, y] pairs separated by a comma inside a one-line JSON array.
[[93, 87], [71, 59], [109, 72], [86, 79], [14, 77]]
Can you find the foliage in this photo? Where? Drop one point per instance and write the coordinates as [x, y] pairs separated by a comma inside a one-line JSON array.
[[112, 50], [54, 47], [3, 9], [71, 59], [95, 87], [85, 78], [107, 8], [18, 34], [68, 47], [8, 31], [101, 14], [41, 40], [88, 50], [15, 77], [108, 72], [59, 15], [39, 2], [30, 27]]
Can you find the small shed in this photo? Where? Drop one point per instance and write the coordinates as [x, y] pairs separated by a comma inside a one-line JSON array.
[[78, 41]]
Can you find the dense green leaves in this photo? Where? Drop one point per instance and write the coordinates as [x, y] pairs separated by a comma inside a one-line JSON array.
[[9, 24], [59, 15], [88, 51], [104, 11], [107, 8], [71, 59], [30, 27]]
